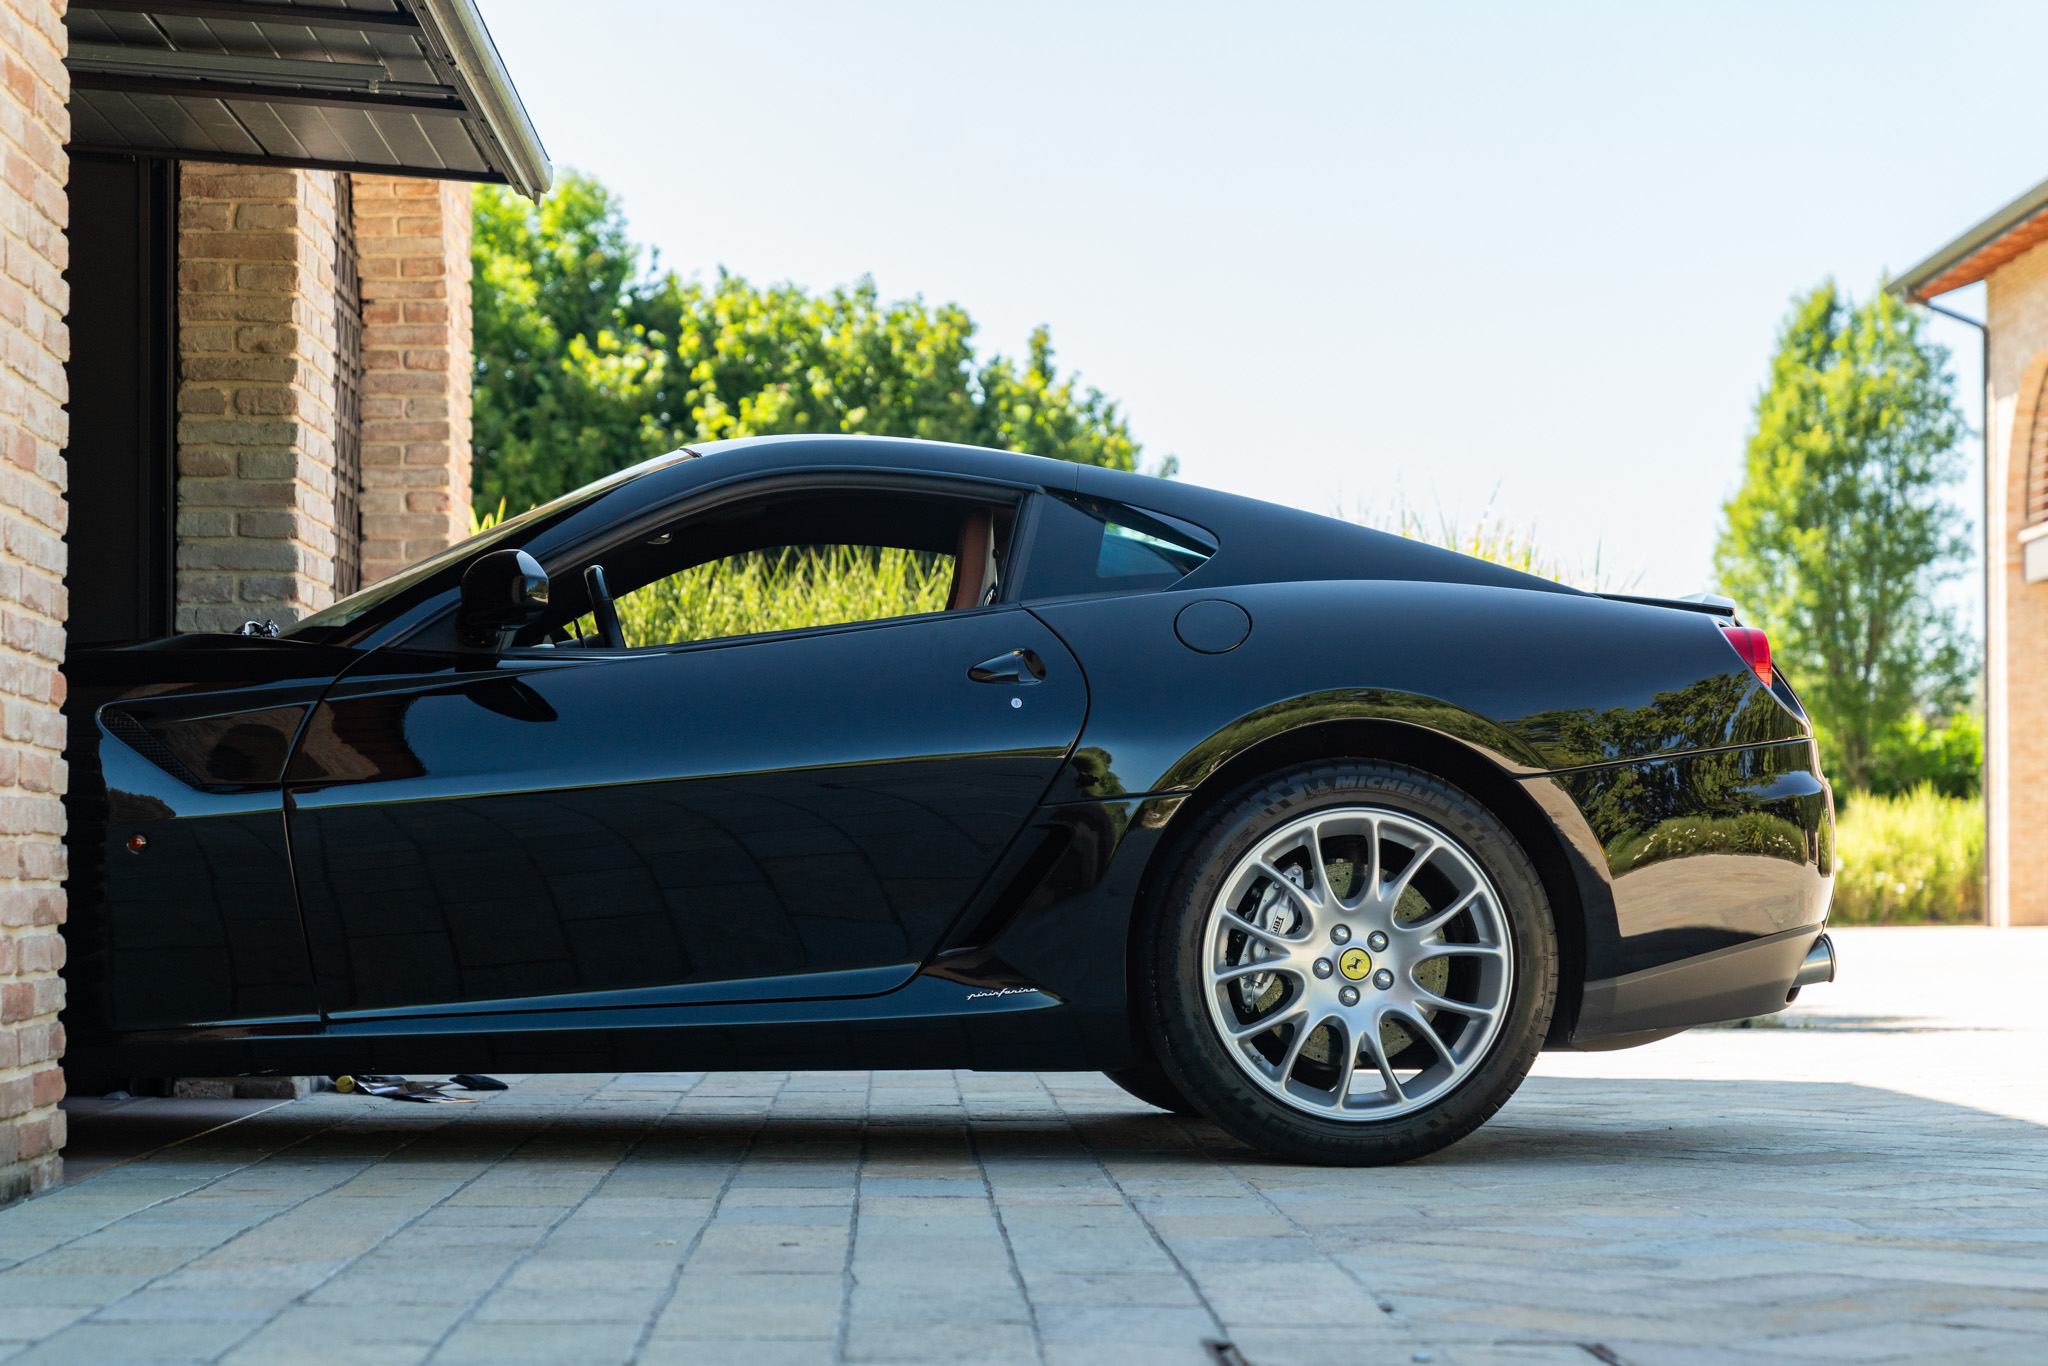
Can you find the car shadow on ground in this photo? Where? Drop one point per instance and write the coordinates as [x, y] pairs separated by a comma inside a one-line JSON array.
[[1552, 1120]]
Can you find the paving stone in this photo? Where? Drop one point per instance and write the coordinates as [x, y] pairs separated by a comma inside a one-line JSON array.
[[1141, 1289], [1123, 1323], [1893, 1342], [345, 1352], [750, 1351], [738, 1310], [1174, 1353], [25, 1289], [993, 1343], [28, 1322], [1840, 1191], [165, 1303], [133, 1344], [539, 1344], [367, 1323]]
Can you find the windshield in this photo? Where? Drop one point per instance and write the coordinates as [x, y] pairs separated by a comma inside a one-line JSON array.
[[511, 531]]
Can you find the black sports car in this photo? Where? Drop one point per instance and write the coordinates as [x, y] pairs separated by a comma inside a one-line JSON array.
[[1313, 830]]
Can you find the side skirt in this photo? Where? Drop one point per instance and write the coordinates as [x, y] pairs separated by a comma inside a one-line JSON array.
[[932, 1022]]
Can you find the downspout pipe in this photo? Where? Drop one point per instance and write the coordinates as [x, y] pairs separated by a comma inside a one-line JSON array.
[[1984, 688]]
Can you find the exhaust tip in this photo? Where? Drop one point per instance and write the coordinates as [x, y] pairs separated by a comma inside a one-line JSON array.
[[1819, 965]]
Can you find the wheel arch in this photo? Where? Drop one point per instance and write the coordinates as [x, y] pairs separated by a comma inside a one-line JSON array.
[[1415, 747]]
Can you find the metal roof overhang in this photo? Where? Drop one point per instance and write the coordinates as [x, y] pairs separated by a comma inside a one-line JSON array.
[[2014, 229], [402, 87]]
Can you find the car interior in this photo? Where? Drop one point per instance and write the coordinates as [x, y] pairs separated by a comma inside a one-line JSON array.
[[749, 567]]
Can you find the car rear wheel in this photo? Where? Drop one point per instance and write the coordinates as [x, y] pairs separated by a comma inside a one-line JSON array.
[[1354, 964]]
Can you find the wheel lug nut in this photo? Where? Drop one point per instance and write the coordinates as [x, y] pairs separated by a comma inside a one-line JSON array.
[[1349, 996], [1340, 934], [1376, 941], [1322, 967], [1382, 979]]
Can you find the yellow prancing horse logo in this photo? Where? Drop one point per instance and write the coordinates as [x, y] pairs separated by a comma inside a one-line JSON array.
[[1355, 964]]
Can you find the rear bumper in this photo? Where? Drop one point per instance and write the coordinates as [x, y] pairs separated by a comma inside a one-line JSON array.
[[1718, 873], [1756, 978]]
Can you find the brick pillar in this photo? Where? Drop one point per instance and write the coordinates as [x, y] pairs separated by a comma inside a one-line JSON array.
[[412, 238], [2024, 704], [34, 342], [256, 395], [2016, 682]]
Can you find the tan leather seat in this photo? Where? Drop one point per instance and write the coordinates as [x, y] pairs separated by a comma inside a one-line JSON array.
[[974, 563]]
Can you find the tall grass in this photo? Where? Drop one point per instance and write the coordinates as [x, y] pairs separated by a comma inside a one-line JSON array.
[[785, 591], [479, 523], [1492, 538], [1914, 858]]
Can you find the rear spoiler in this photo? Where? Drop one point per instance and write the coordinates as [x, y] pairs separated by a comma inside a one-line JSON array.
[[1699, 602]]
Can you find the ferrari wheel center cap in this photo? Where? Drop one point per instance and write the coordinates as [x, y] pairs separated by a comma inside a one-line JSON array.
[[1355, 964]]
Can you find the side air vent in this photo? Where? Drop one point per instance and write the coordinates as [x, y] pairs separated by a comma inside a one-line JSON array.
[[233, 751], [1029, 877], [130, 732]]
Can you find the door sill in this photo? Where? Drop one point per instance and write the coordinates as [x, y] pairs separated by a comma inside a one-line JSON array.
[[800, 986]]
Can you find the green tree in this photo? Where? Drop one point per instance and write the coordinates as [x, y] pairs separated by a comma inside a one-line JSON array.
[[586, 362], [1841, 532], [571, 381]]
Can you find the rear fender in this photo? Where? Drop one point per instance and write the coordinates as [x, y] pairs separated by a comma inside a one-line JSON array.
[[1539, 813]]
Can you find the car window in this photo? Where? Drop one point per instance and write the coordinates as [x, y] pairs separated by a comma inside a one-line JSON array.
[[783, 563], [784, 588], [1090, 545]]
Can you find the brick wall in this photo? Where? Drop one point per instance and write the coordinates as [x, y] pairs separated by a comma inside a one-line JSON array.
[[412, 237], [2016, 691], [34, 126], [256, 395]]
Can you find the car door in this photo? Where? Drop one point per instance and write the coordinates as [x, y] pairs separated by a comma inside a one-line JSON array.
[[182, 910], [790, 814]]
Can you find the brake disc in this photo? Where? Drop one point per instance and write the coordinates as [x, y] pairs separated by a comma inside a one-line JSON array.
[[1276, 913]]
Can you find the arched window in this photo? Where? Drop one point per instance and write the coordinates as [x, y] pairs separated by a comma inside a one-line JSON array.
[[2034, 509], [2030, 444]]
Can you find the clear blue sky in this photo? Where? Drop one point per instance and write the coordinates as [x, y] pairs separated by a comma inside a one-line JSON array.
[[1333, 253]]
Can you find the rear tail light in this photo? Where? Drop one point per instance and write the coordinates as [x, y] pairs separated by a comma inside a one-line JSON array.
[[1754, 647]]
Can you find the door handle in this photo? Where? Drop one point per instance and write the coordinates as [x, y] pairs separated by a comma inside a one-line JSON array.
[[1018, 668]]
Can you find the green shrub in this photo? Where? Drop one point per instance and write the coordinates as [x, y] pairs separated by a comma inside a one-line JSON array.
[[1949, 756], [785, 592], [1913, 858]]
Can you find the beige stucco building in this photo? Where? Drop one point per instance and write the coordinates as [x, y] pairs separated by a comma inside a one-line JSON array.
[[2009, 252], [234, 367]]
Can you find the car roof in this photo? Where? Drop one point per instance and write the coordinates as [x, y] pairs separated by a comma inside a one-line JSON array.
[[1259, 542]]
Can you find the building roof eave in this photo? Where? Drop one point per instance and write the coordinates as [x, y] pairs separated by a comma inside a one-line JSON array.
[[393, 87], [1974, 254], [459, 29]]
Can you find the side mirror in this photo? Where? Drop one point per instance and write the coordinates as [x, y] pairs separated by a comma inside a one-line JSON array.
[[501, 592]]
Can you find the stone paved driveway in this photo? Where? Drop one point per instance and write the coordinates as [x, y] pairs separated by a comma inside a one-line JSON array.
[[1870, 1185]]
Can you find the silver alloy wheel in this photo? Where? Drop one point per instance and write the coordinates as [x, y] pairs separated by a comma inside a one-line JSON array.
[[1358, 963]]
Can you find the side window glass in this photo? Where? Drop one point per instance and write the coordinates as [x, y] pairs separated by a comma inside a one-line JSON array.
[[784, 563], [1130, 553], [1085, 545], [785, 588]]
